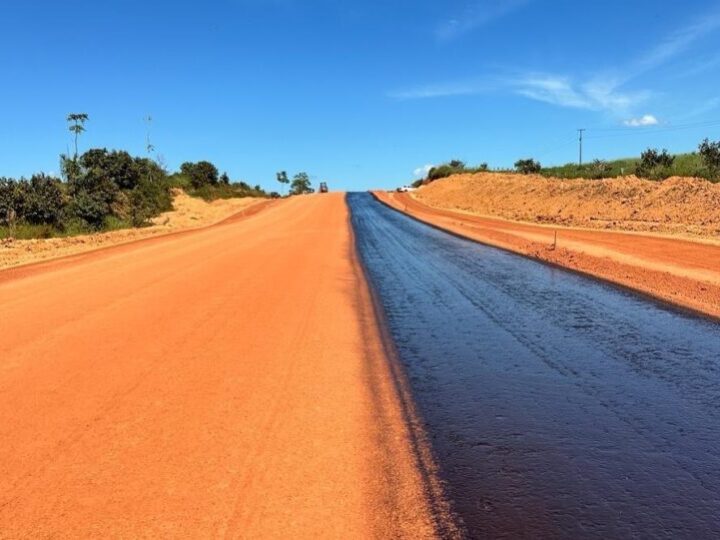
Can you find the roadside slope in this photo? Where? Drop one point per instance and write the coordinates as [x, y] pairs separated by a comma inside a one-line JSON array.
[[229, 382], [188, 213], [684, 206], [680, 271]]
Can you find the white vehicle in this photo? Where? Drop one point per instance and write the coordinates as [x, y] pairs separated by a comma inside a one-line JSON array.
[[404, 189]]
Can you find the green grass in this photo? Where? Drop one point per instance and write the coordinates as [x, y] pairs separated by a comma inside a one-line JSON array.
[[684, 165]]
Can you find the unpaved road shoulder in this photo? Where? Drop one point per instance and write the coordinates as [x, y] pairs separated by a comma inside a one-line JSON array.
[[189, 213], [683, 272]]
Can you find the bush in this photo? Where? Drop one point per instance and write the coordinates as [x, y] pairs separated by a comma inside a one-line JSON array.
[[654, 165], [43, 200], [528, 166], [442, 171], [103, 184], [39, 201], [9, 201], [227, 191], [710, 155], [202, 173], [599, 169]]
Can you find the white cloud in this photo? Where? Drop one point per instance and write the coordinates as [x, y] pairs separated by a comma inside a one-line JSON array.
[[440, 90], [597, 94], [422, 172], [475, 15], [643, 121]]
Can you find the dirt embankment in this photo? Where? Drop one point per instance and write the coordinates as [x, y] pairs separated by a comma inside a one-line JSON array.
[[687, 206], [188, 213], [680, 271]]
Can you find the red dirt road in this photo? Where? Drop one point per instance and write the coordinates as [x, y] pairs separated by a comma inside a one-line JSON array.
[[680, 271], [229, 382]]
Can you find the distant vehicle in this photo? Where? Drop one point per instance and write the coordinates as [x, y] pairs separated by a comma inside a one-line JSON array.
[[323, 187], [404, 189]]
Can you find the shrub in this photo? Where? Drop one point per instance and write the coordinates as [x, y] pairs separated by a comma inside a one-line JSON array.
[[599, 169], [710, 155], [528, 166], [202, 173], [43, 200], [655, 165], [8, 201]]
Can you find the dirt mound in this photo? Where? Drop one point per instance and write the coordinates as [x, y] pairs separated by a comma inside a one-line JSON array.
[[676, 205]]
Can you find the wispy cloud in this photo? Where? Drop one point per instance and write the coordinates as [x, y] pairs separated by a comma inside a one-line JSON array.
[[596, 94], [643, 121], [603, 91], [475, 15], [422, 172], [465, 88], [678, 42]]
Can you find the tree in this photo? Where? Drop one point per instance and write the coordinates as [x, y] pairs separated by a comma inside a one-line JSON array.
[[710, 154], [43, 200], [201, 174], [528, 166], [119, 166], [225, 179], [77, 126], [457, 164], [282, 177], [301, 184]]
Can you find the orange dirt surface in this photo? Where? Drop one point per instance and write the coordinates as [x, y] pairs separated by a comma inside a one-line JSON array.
[[686, 206], [679, 271], [231, 382], [188, 213]]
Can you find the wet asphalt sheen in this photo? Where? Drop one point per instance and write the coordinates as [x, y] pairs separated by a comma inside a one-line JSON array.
[[557, 405]]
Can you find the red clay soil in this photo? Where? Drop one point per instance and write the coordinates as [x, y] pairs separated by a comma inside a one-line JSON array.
[[228, 382], [679, 271]]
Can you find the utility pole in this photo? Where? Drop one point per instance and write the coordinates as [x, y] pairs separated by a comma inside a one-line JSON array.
[[580, 140]]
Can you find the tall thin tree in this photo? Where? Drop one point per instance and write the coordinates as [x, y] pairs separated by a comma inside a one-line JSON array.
[[77, 126], [282, 177]]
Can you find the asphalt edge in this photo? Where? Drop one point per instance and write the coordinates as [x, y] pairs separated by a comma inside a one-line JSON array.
[[446, 521], [657, 299]]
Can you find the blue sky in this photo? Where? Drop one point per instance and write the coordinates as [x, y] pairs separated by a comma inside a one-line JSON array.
[[359, 93]]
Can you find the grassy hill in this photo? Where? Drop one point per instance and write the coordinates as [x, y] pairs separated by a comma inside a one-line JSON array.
[[690, 165]]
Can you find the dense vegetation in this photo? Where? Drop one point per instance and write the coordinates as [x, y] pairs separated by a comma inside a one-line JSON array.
[[203, 180], [104, 190]]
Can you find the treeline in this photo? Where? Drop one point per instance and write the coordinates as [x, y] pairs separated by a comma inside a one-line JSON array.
[[652, 164], [104, 190], [202, 179]]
